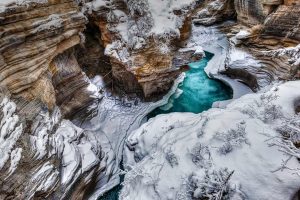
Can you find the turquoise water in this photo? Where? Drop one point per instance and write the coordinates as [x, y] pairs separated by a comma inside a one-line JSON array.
[[198, 91], [198, 94]]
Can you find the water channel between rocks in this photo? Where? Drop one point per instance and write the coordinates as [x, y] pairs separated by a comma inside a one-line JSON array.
[[195, 94]]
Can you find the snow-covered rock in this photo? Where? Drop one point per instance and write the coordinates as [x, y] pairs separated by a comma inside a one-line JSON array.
[[234, 153]]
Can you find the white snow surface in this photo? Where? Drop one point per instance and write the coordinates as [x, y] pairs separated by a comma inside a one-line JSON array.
[[10, 131], [169, 156], [114, 120]]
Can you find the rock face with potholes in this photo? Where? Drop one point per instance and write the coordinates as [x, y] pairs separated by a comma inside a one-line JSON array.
[[50, 51]]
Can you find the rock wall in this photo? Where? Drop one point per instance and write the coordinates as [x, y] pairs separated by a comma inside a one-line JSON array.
[[272, 15], [43, 156], [33, 33], [264, 42], [141, 42]]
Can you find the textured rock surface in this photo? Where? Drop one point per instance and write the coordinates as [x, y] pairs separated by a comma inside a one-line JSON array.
[[71, 84], [263, 44], [32, 35], [140, 46], [42, 155], [45, 157], [214, 11]]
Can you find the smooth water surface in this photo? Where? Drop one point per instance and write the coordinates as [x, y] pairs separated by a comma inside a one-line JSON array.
[[197, 92]]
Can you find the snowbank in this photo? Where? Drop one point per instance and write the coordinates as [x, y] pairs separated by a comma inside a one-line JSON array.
[[236, 153]]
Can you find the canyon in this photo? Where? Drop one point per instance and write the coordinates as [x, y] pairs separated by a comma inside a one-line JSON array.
[[79, 77]]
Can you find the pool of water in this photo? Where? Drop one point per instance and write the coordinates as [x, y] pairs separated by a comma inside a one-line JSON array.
[[197, 92]]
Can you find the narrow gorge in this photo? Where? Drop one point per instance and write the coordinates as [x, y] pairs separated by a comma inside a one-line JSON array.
[[150, 99]]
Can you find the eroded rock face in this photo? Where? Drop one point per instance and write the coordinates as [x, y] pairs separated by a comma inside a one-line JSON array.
[[214, 11], [32, 35], [44, 156], [272, 15], [141, 39], [71, 84], [263, 43]]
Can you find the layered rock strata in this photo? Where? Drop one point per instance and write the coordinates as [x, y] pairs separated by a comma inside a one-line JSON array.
[[33, 33], [264, 42], [42, 155]]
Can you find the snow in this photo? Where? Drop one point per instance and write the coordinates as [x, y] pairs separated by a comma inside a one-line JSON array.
[[242, 34], [15, 157], [44, 178], [10, 131], [20, 2], [98, 81], [54, 21], [77, 154], [251, 157], [39, 143], [4, 4], [164, 18], [96, 4], [212, 40], [110, 126]]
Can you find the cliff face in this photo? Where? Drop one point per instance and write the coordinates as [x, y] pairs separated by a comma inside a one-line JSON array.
[[42, 155], [32, 35], [271, 14], [141, 40], [264, 42]]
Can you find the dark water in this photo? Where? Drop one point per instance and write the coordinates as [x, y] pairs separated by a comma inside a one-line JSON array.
[[198, 91], [112, 194], [198, 94]]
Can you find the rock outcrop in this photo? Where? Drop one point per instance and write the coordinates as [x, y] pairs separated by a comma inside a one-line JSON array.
[[141, 39], [264, 41], [43, 155], [33, 33]]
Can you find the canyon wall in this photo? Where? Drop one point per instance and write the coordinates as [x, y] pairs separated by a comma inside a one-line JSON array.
[[42, 155], [269, 38], [141, 39], [49, 49]]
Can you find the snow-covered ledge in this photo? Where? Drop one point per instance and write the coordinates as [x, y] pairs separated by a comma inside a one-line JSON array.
[[213, 41]]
